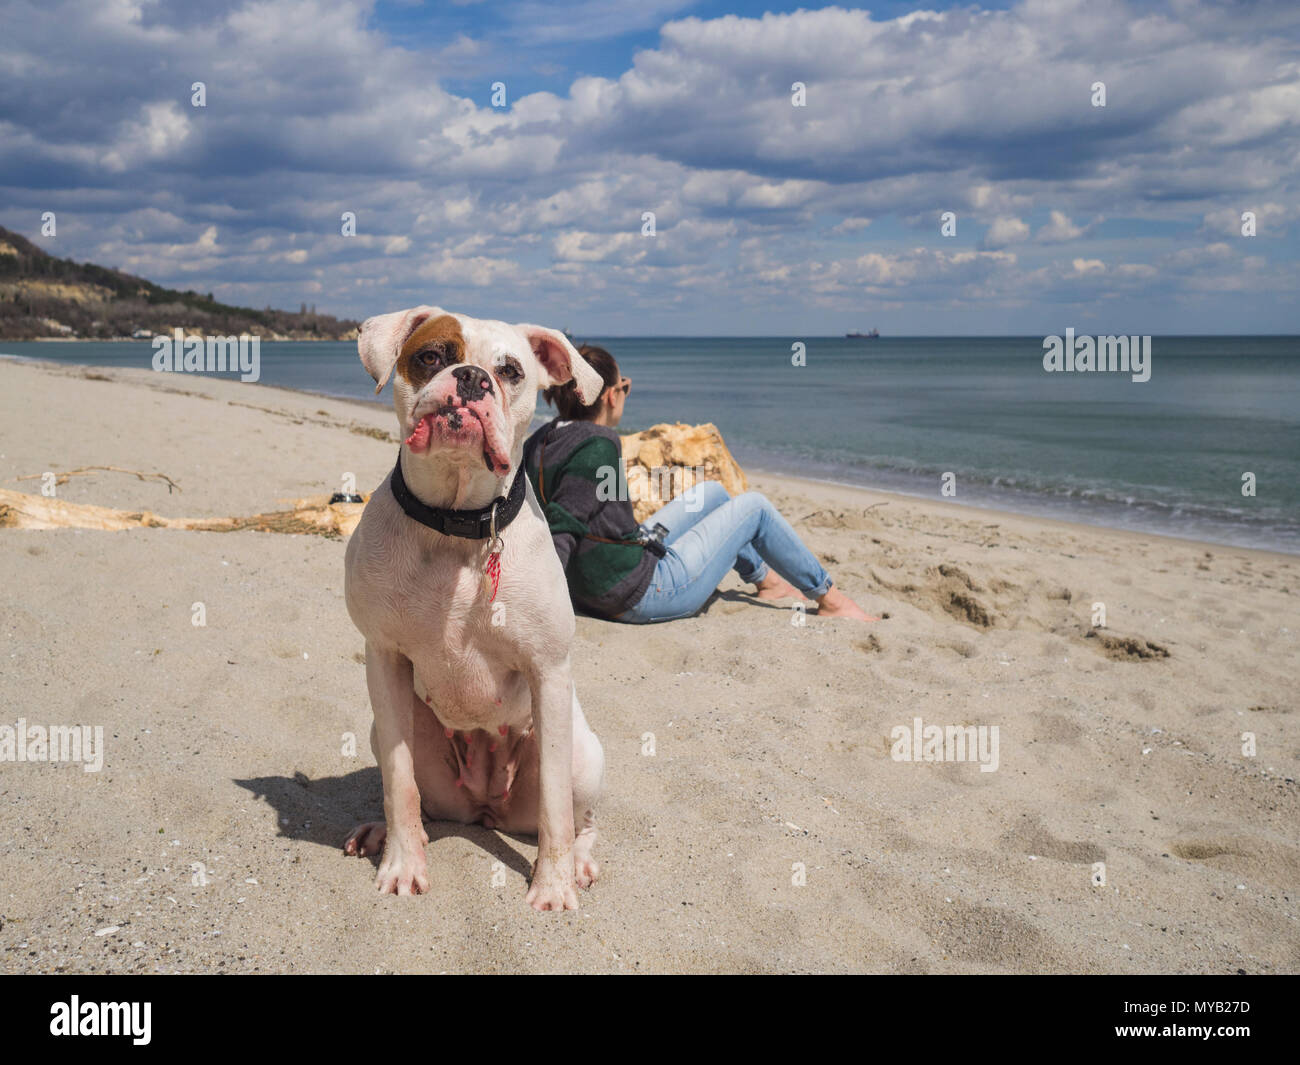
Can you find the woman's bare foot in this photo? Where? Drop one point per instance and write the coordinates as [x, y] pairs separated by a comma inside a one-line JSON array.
[[774, 586], [835, 604]]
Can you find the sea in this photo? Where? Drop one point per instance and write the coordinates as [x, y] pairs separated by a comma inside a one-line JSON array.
[[1178, 454]]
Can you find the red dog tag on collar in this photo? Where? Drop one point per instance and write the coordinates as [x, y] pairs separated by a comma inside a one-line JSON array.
[[492, 572]]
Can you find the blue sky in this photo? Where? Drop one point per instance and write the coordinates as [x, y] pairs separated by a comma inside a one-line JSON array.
[[770, 218], [558, 42]]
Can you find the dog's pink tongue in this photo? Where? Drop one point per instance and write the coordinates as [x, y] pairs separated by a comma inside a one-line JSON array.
[[418, 441]]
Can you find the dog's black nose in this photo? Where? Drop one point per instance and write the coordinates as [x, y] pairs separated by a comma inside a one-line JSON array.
[[472, 383]]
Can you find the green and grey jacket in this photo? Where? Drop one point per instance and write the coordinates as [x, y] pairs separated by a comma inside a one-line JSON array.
[[580, 469]]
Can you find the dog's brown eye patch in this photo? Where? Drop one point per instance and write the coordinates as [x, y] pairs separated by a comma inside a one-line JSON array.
[[434, 345]]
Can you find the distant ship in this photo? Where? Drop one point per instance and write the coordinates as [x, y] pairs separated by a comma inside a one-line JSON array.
[[873, 335]]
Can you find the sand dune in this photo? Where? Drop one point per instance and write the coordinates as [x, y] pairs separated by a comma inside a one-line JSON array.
[[770, 830]]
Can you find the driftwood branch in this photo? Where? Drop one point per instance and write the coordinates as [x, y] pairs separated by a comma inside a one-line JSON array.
[[314, 514], [62, 478]]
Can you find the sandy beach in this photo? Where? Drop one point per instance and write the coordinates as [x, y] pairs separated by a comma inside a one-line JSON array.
[[770, 830]]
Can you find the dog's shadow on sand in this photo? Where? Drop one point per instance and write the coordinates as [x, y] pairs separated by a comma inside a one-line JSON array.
[[327, 809]]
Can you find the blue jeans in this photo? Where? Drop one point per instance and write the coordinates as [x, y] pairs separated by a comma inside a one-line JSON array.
[[710, 533]]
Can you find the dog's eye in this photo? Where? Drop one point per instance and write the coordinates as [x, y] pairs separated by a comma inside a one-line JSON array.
[[511, 371], [431, 357]]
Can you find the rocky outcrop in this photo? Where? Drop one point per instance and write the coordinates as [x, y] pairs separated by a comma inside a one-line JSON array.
[[665, 460]]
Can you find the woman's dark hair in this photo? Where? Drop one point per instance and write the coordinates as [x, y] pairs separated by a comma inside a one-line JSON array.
[[564, 398]]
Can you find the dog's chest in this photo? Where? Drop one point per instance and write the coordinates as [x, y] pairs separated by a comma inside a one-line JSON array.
[[463, 663], [427, 600], [433, 607]]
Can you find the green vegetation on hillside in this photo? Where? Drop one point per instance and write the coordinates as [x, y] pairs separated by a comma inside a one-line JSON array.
[[43, 296]]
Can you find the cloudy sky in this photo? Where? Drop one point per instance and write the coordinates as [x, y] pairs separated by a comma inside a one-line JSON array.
[[770, 218]]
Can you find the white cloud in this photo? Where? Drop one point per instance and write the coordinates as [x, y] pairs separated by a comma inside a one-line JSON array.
[[851, 225], [1005, 230], [160, 131], [1058, 230], [1270, 220], [576, 246]]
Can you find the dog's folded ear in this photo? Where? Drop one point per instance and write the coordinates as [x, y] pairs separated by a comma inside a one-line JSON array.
[[380, 340], [560, 362]]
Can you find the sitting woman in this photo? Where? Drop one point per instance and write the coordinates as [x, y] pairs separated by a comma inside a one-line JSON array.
[[619, 570]]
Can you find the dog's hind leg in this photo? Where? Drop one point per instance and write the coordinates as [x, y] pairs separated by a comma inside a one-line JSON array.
[[446, 780]]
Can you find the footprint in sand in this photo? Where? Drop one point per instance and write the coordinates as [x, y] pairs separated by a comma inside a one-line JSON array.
[[953, 592], [1252, 858], [986, 935], [1200, 850], [1125, 648], [969, 609], [1034, 838], [1056, 728]]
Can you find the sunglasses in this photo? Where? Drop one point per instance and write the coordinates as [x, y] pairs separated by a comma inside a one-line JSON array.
[[624, 386]]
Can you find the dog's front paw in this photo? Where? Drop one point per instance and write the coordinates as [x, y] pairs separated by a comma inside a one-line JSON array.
[[553, 887], [403, 871]]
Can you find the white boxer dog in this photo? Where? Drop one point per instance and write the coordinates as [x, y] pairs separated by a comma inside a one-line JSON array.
[[453, 581]]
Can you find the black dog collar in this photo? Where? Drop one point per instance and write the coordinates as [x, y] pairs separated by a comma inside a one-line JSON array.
[[470, 524]]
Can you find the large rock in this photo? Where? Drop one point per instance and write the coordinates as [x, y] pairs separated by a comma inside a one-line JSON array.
[[665, 460]]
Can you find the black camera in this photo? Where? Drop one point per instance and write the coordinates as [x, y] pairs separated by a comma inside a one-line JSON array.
[[652, 539]]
